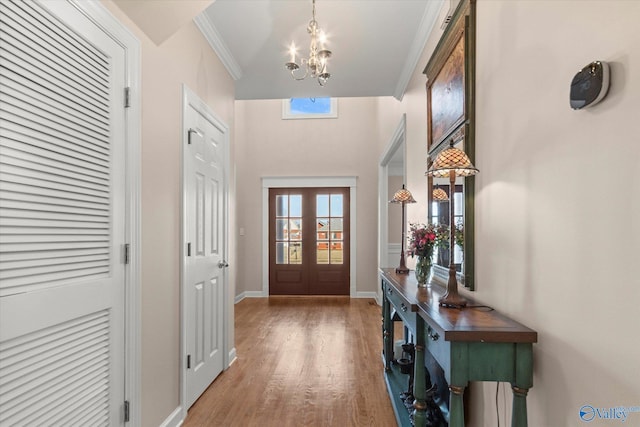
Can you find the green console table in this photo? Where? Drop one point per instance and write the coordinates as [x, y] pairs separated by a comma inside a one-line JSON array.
[[469, 344]]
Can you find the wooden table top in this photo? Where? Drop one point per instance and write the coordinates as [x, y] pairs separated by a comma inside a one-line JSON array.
[[475, 322]]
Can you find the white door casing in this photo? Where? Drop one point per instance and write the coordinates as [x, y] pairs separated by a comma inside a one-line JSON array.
[[204, 262], [63, 219], [396, 144], [310, 181]]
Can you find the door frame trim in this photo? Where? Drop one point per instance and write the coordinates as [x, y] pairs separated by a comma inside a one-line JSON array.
[[396, 142], [189, 98], [309, 181], [97, 13]]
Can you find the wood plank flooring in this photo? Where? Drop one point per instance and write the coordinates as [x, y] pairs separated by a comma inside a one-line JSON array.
[[302, 361]]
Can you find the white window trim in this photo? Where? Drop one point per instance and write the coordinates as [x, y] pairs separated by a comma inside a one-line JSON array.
[[287, 114]]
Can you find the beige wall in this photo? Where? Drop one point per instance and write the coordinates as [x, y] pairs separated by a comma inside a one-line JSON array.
[[557, 208], [268, 146], [186, 58]]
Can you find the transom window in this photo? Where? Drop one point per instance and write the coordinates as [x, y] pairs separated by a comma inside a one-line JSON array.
[[310, 108]]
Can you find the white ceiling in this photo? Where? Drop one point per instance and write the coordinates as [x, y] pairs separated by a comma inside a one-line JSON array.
[[376, 44]]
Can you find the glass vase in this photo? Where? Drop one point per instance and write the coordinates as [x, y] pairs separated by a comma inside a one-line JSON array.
[[423, 270]]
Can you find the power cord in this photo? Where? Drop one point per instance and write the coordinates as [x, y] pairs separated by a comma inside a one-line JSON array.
[[485, 307], [497, 411]]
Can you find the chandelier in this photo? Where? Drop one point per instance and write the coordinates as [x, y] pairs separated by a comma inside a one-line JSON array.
[[316, 65]]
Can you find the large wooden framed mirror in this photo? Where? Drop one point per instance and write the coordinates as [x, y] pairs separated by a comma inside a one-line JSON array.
[[451, 120]]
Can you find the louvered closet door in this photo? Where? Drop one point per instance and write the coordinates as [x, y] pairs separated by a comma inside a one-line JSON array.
[[61, 218]]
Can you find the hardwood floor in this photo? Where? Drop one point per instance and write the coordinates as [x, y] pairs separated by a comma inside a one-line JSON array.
[[302, 361]]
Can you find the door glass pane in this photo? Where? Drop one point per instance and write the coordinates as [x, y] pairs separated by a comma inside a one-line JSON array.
[[336, 253], [322, 205], [280, 228], [336, 205], [336, 228], [322, 252], [288, 225], [322, 239], [295, 253], [336, 236], [323, 229], [329, 232], [282, 205], [295, 206], [282, 256], [295, 229]]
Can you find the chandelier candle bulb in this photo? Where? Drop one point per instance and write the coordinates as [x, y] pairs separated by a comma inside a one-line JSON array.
[[292, 51]]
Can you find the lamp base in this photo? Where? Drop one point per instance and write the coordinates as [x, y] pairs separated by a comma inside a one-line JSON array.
[[402, 270], [453, 301], [452, 298]]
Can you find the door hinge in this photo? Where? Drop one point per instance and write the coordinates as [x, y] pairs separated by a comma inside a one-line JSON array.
[[126, 411], [127, 253], [189, 249], [188, 361], [127, 97]]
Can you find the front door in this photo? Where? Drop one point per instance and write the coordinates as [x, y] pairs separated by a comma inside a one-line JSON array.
[[62, 218], [309, 241], [204, 263]]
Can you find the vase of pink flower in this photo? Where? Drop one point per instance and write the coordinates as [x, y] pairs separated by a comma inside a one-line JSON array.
[[423, 271], [422, 241]]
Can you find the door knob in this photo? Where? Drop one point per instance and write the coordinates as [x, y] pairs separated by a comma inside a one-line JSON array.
[[223, 264]]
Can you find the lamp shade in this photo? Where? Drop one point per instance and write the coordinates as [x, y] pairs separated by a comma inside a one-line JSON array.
[[439, 195], [402, 196], [452, 159]]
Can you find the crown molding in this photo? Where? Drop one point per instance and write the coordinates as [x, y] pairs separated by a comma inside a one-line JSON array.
[[218, 45], [431, 13]]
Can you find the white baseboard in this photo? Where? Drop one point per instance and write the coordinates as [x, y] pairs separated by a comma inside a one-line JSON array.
[[372, 295], [379, 298], [259, 294], [250, 294], [173, 420], [232, 356]]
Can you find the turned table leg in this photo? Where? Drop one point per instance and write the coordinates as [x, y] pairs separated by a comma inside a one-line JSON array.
[[456, 410], [523, 381], [387, 333], [419, 382], [519, 416]]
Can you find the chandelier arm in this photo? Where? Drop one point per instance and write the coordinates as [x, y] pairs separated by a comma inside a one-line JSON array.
[[306, 73]]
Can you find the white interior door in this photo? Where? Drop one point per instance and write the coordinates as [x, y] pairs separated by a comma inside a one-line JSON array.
[[204, 263], [62, 218]]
